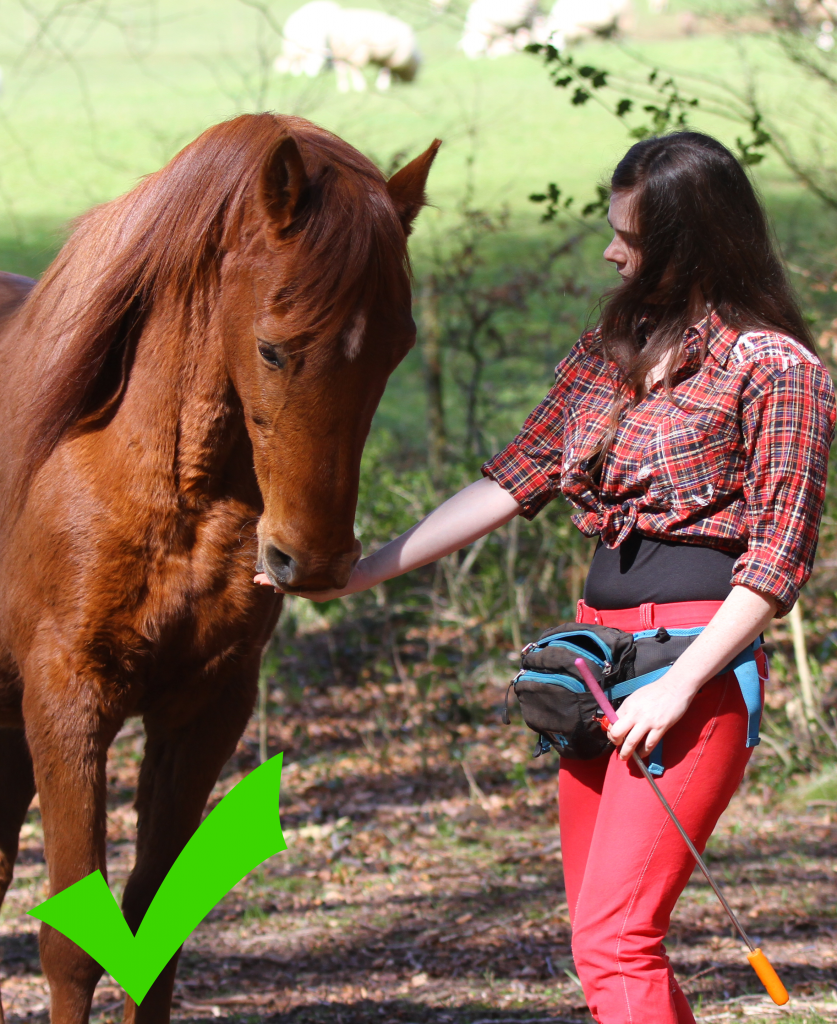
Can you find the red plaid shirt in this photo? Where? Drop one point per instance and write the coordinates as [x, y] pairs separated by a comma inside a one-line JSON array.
[[739, 463]]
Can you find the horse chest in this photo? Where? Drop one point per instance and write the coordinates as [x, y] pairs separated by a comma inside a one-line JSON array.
[[152, 604]]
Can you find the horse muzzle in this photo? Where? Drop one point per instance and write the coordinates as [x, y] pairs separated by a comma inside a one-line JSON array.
[[301, 571]]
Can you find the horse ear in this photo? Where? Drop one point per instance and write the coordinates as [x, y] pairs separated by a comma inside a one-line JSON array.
[[283, 185], [406, 187]]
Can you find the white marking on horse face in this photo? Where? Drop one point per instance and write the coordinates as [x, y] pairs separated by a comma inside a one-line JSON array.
[[354, 335]]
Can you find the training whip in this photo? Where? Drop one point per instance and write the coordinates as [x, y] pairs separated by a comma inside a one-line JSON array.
[[758, 961]]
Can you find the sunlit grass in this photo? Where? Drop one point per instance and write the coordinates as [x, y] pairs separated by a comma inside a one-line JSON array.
[[77, 133]]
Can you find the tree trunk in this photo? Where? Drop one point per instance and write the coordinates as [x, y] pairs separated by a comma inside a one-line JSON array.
[[512, 537], [803, 669], [263, 723], [436, 435]]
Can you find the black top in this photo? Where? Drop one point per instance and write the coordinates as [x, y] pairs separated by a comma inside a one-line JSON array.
[[642, 570]]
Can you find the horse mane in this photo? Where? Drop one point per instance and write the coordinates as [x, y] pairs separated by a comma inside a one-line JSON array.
[[163, 242]]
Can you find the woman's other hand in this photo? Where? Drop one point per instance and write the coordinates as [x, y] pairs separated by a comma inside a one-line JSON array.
[[647, 715]]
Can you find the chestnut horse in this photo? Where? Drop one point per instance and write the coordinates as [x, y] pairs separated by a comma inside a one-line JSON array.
[[185, 394]]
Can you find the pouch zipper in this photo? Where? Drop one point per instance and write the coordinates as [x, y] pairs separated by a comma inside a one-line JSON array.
[[577, 649]]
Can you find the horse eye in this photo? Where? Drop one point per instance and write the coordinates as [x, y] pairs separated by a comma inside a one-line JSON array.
[[272, 355]]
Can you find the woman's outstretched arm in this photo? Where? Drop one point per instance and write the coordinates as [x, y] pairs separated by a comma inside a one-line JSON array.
[[474, 511]]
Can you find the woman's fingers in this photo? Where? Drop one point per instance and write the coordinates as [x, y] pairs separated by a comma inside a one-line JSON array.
[[651, 741], [316, 595], [261, 578], [631, 742], [630, 735], [642, 740], [618, 730]]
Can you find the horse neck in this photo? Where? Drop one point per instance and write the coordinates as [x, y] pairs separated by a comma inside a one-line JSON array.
[[181, 394]]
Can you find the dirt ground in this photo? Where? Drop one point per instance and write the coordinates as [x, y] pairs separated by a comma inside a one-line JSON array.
[[423, 883]]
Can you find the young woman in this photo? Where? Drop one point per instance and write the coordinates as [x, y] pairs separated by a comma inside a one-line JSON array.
[[691, 430]]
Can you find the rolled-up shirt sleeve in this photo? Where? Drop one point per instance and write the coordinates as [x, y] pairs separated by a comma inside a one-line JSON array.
[[530, 467], [788, 426]]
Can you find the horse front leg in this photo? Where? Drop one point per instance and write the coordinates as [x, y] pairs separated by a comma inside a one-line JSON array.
[[16, 794], [179, 769], [69, 736], [15, 797]]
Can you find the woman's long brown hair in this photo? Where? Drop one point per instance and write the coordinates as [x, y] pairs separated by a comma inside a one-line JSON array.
[[702, 232]]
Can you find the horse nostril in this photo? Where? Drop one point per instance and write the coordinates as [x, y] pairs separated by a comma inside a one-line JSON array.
[[281, 557], [282, 566]]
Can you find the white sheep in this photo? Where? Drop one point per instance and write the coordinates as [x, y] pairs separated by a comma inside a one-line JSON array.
[[358, 37], [305, 39], [322, 33], [571, 21], [494, 28]]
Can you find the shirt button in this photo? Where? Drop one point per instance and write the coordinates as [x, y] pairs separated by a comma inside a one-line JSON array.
[[626, 508]]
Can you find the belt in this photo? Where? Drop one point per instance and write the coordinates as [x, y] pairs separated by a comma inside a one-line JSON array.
[[676, 615]]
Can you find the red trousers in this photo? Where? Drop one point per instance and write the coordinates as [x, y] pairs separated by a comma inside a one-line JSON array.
[[625, 864]]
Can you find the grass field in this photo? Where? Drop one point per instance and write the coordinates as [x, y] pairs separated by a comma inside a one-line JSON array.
[[90, 105]]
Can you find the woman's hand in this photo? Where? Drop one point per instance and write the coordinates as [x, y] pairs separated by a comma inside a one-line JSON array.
[[647, 715], [359, 580], [316, 595]]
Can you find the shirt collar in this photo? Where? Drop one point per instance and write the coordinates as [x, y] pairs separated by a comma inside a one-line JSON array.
[[710, 331], [721, 340]]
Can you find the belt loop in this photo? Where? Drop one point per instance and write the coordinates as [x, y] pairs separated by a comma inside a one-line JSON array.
[[646, 615], [584, 613]]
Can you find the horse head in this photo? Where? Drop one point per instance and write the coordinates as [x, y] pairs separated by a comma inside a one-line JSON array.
[[316, 315]]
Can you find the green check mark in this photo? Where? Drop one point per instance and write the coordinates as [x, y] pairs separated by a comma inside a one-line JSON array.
[[240, 833]]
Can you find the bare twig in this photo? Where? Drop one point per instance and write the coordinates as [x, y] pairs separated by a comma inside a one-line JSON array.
[[477, 795]]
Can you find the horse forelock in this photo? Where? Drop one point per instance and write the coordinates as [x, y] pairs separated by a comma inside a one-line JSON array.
[[350, 251], [163, 243]]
